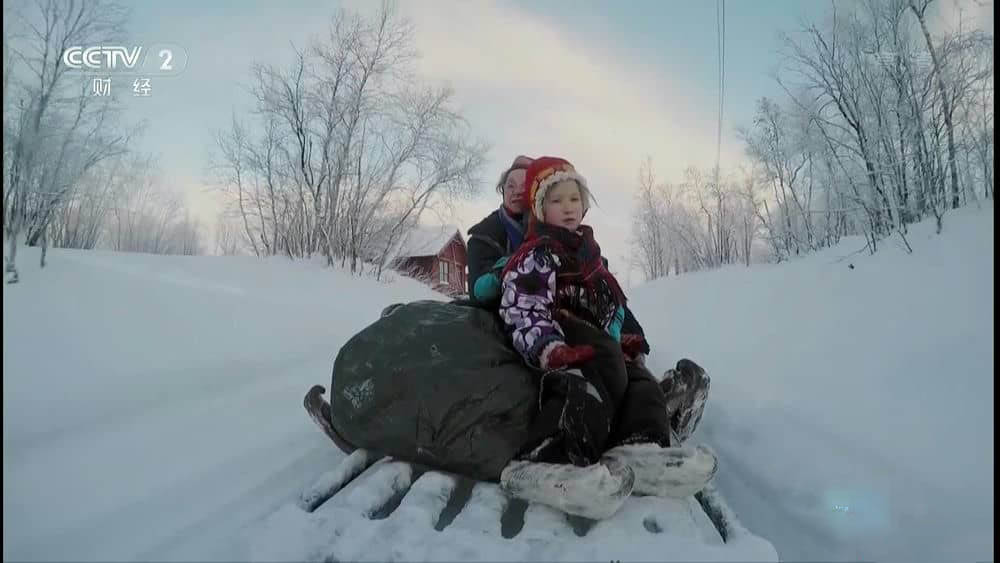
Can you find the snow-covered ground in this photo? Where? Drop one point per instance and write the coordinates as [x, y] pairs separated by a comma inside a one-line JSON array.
[[852, 409], [152, 405]]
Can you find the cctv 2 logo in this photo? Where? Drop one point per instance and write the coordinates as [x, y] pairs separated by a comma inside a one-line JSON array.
[[168, 59]]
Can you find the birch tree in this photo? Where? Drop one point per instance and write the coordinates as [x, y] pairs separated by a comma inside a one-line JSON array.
[[54, 133]]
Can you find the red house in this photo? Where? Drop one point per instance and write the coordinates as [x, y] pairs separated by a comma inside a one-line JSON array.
[[436, 256]]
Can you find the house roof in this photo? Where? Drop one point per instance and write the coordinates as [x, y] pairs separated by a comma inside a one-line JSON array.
[[427, 241]]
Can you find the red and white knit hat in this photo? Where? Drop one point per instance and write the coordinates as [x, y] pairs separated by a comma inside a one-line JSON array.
[[545, 172]]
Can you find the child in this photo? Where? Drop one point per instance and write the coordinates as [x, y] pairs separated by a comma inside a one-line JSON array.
[[602, 427]]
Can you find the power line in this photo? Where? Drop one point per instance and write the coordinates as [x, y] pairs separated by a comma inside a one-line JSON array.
[[720, 30]]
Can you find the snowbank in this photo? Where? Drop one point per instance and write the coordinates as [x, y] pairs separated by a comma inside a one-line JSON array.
[[852, 409]]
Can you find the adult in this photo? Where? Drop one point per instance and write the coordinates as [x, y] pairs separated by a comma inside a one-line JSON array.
[[493, 240]]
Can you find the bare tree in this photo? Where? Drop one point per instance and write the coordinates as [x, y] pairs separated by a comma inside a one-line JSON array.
[[832, 68], [237, 180], [228, 239], [946, 102], [351, 150], [650, 235], [706, 221], [885, 112], [882, 126], [186, 237], [148, 216], [81, 220], [785, 150], [747, 215], [54, 133]]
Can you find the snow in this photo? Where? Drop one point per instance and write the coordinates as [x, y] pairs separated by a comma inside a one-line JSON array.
[[153, 410], [153, 405], [851, 409]]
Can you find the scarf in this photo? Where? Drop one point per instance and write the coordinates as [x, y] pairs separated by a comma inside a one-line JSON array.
[[580, 266], [515, 230]]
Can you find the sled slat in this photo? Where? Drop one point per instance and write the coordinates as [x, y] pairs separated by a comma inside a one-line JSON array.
[[378, 515], [423, 504], [375, 488], [543, 522], [331, 482], [483, 511]]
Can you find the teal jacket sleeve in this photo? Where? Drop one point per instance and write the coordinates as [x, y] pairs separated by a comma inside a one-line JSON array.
[[615, 326], [487, 288]]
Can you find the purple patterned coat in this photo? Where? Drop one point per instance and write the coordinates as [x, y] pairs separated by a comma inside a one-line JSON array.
[[530, 298]]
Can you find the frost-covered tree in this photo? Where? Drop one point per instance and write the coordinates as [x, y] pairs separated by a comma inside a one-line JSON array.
[[54, 132], [346, 149]]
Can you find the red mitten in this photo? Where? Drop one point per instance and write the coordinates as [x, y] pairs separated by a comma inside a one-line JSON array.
[[562, 356], [632, 345]]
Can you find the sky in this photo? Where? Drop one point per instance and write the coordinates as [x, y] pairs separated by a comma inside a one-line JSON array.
[[602, 84]]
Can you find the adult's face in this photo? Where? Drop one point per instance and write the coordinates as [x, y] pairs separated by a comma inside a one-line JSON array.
[[513, 191]]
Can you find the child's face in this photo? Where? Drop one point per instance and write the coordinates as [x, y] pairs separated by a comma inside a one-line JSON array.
[[563, 205]]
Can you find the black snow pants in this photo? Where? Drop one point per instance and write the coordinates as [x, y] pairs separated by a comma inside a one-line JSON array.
[[586, 410]]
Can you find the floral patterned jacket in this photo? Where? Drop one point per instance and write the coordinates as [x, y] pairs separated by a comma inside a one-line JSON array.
[[531, 296]]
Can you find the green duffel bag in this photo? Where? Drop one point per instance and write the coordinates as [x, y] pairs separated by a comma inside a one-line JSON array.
[[435, 383]]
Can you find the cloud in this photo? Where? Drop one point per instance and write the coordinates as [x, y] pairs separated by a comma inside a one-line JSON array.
[[530, 87]]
